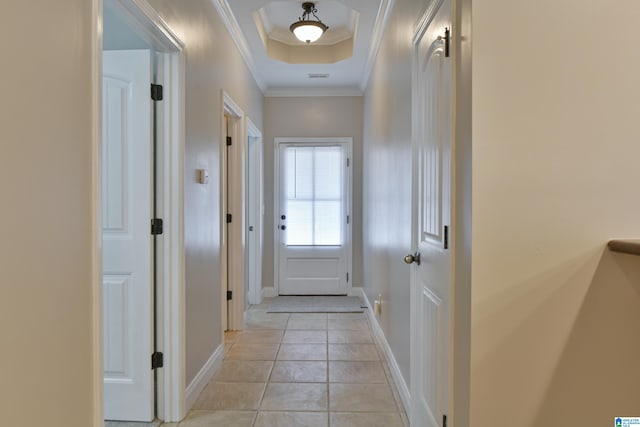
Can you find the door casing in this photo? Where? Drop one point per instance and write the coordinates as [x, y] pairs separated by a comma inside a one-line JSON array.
[[170, 300], [233, 200], [348, 141], [255, 197]]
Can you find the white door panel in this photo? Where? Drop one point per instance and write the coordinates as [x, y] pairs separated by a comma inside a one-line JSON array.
[[432, 193], [126, 212], [312, 238]]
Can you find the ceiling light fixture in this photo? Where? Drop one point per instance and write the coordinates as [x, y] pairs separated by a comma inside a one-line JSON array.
[[307, 30]]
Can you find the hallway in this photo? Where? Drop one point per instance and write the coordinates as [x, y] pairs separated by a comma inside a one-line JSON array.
[[313, 370]]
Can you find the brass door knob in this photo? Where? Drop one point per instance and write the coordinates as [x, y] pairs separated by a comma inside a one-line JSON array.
[[410, 259]]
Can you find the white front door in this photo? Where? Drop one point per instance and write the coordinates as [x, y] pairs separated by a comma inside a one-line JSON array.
[[127, 242], [312, 218], [432, 192]]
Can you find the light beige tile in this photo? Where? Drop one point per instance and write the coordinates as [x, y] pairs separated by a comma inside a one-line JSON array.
[[253, 352], [247, 371], [356, 372], [218, 418], [291, 419], [350, 337], [302, 352], [217, 396], [348, 324], [307, 323], [299, 372], [260, 337], [308, 316], [305, 337], [155, 423], [351, 352], [261, 320], [365, 419], [348, 316], [231, 336], [361, 398], [295, 397]]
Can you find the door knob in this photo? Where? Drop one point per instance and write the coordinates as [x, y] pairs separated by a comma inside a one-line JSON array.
[[283, 227], [409, 259]]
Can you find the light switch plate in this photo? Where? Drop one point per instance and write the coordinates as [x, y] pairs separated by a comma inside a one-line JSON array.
[[203, 176]]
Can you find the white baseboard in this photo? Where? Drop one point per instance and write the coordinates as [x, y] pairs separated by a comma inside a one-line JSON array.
[[203, 377], [398, 379], [269, 292], [356, 291]]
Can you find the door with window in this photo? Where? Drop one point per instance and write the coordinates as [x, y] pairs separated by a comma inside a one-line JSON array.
[[313, 216]]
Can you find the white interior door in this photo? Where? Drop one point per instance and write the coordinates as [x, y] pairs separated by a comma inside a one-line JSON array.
[[312, 215], [127, 243], [254, 218], [432, 191]]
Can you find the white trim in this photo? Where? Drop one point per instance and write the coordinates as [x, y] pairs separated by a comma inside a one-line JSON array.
[[173, 311], [149, 24], [384, 11], [96, 215], [230, 22], [355, 291], [422, 26], [269, 292], [348, 142], [233, 236], [171, 305], [255, 284], [203, 377], [311, 92], [381, 340]]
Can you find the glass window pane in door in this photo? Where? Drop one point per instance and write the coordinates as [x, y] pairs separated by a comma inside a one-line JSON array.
[[314, 188]]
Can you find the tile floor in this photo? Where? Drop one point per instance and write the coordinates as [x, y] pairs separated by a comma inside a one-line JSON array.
[[311, 370]]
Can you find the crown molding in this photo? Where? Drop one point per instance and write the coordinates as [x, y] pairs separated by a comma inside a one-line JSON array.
[[384, 11], [230, 22], [310, 92]]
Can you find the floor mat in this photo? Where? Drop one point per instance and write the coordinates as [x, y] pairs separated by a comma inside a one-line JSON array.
[[316, 304]]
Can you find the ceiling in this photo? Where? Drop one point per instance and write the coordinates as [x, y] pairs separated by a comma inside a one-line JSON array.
[[337, 64]]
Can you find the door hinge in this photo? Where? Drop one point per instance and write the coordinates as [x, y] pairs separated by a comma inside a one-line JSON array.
[[347, 277], [229, 295], [157, 360], [347, 162], [156, 226], [447, 42], [446, 237], [156, 92], [229, 218], [229, 141], [348, 219], [444, 421]]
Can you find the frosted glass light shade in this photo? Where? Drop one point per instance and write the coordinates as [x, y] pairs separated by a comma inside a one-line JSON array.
[[308, 31]]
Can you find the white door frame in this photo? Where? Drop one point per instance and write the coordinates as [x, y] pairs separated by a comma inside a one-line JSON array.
[[232, 243], [171, 301], [255, 283], [276, 206]]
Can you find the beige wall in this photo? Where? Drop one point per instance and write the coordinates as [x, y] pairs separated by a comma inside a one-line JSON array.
[[387, 178], [555, 316], [46, 366], [312, 117], [213, 64]]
